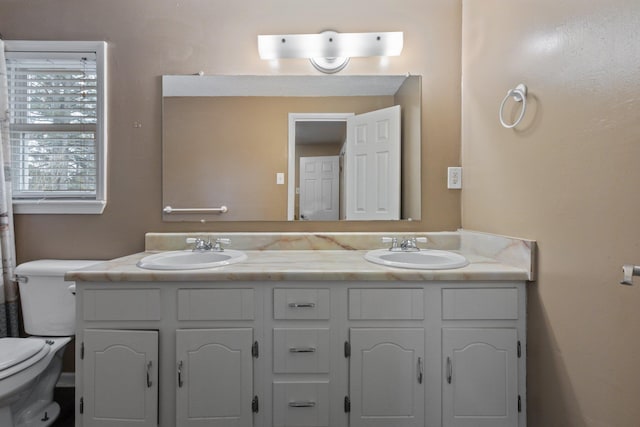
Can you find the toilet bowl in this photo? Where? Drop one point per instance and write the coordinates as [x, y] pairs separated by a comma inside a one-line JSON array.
[[26, 386], [30, 367]]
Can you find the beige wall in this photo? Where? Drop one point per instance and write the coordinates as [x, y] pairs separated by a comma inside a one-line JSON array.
[[567, 178], [149, 38]]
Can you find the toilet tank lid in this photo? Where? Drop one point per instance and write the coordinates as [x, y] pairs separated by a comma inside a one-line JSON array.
[[52, 267], [17, 350]]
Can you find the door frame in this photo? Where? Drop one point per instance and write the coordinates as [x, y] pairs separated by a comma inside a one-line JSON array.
[[303, 117]]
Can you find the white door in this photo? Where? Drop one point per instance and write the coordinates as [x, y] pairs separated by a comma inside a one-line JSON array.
[[215, 377], [480, 384], [386, 377], [120, 378], [319, 188], [372, 165]]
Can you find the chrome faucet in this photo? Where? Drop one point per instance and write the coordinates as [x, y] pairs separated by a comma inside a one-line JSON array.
[[408, 244], [200, 244], [208, 245]]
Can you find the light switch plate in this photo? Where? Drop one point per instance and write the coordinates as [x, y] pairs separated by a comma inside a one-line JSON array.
[[454, 178], [280, 178]]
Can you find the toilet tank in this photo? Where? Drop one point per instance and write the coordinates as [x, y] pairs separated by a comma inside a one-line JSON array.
[[48, 306]]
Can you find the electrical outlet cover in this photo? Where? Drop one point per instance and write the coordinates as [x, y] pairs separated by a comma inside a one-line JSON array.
[[454, 178]]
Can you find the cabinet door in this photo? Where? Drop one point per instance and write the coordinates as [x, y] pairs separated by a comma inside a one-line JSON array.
[[120, 378], [215, 377], [480, 377], [386, 377]]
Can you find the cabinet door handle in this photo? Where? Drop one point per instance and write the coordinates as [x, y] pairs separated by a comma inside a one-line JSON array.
[[302, 304], [180, 382], [420, 374], [449, 370], [302, 350], [302, 404], [149, 383]]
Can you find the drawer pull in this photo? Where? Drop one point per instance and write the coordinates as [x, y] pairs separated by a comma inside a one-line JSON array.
[[302, 304], [302, 404], [302, 350]]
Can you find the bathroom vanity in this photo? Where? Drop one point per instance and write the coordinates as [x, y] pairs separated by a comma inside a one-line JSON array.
[[305, 332]]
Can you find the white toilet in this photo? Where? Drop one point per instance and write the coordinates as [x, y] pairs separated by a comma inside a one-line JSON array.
[[30, 367]]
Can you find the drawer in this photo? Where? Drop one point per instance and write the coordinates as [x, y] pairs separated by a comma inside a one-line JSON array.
[[479, 304], [121, 304], [301, 404], [301, 350], [310, 304], [216, 304], [386, 304]]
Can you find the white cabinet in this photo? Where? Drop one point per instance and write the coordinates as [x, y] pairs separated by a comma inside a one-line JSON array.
[[301, 403], [301, 304], [120, 378], [301, 350], [215, 377], [386, 363], [480, 388], [386, 377], [303, 386], [483, 372], [331, 354]]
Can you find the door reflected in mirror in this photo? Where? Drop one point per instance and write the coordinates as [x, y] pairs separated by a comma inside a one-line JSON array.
[[227, 141], [319, 188], [349, 165]]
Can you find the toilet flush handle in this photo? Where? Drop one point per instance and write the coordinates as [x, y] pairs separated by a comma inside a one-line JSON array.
[[628, 271], [72, 289]]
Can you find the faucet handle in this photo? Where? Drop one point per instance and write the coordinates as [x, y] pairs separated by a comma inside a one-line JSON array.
[[219, 242], [393, 241]]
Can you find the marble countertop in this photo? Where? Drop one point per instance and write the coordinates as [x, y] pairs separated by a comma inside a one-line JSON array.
[[504, 260]]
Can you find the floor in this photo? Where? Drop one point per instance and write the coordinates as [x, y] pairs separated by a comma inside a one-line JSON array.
[[65, 397]]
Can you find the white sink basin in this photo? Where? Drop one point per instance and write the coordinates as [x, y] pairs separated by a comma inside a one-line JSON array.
[[425, 259], [191, 260]]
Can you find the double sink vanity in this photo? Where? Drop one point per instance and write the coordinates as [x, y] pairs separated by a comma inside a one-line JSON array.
[[304, 329]]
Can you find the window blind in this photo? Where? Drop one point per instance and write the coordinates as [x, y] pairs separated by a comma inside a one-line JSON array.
[[53, 124]]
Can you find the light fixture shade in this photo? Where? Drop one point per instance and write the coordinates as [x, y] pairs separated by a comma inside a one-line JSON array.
[[330, 44]]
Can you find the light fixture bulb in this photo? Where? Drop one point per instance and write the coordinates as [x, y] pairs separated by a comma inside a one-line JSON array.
[[330, 51]]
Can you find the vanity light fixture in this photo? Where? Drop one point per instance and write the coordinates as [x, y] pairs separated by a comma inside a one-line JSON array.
[[330, 51]]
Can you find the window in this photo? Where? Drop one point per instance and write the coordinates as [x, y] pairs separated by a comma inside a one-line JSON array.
[[57, 112]]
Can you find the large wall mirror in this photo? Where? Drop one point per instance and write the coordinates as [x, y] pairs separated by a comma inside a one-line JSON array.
[[291, 148]]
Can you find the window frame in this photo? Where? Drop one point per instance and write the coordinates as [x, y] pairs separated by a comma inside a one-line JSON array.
[[74, 205]]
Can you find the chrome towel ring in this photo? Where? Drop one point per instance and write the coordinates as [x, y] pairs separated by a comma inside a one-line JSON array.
[[519, 94]]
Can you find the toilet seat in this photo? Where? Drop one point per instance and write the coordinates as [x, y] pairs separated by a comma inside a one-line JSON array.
[[17, 354]]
